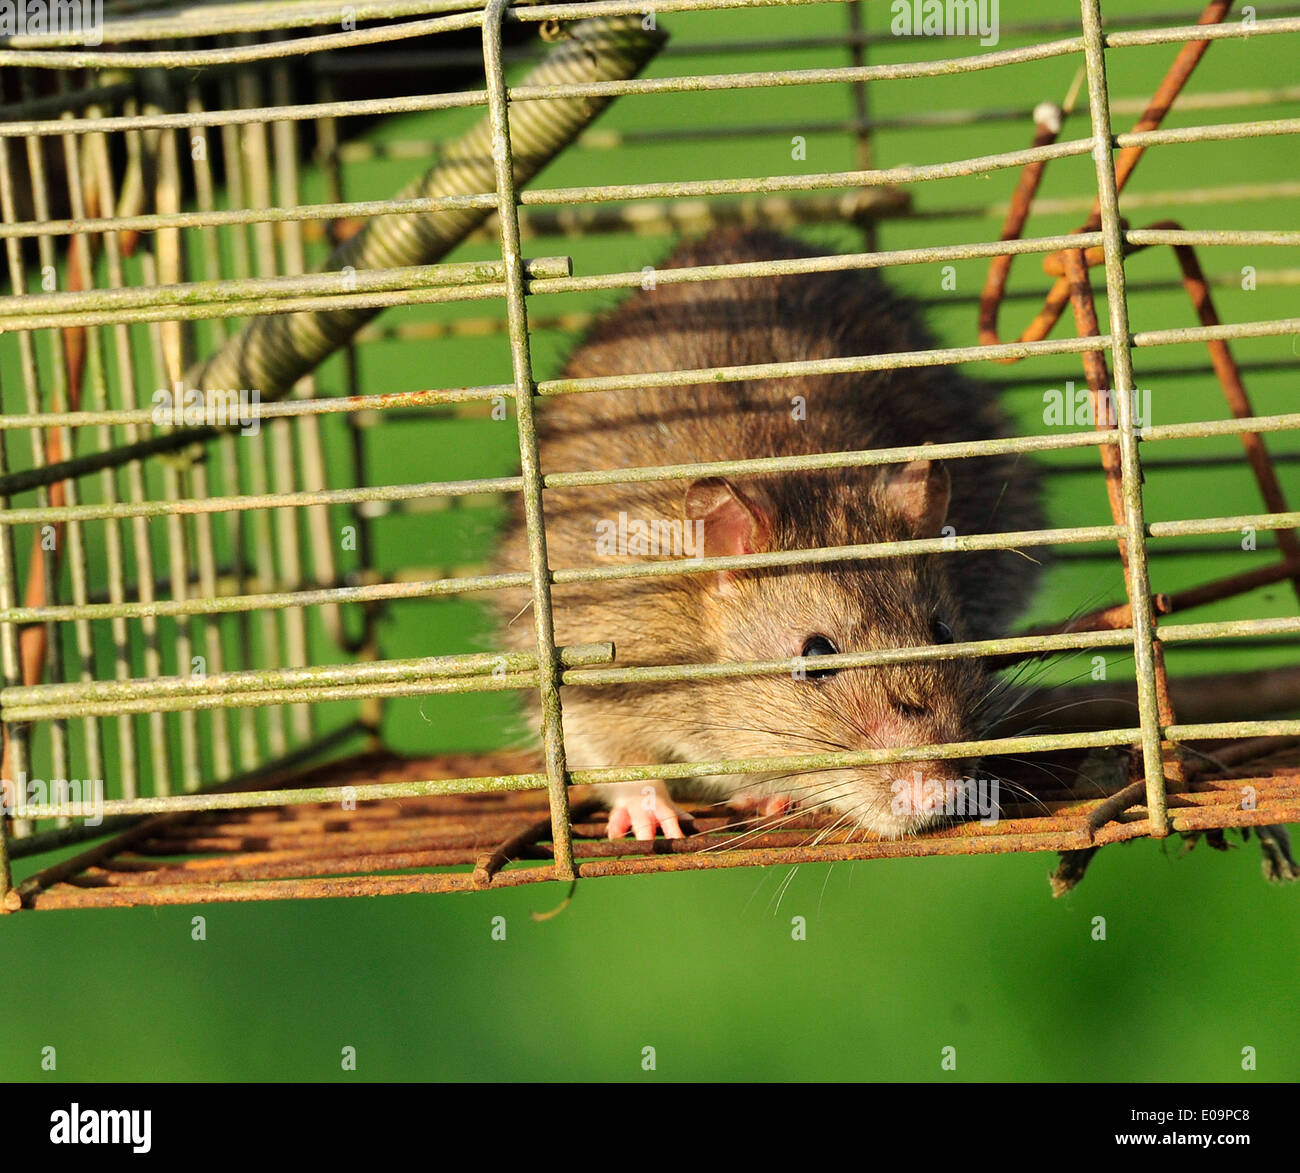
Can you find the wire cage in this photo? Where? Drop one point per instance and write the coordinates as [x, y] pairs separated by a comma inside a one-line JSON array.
[[195, 569]]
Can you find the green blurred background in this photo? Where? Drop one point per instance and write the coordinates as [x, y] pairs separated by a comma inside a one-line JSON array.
[[902, 958]]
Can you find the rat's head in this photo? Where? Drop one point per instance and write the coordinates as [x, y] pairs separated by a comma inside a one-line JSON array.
[[815, 610]]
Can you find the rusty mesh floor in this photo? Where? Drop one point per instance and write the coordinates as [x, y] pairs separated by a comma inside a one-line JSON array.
[[467, 843]]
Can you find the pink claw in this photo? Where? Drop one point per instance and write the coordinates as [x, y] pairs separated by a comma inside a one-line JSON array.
[[774, 805], [645, 812]]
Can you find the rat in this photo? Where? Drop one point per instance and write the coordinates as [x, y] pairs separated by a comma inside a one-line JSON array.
[[780, 612]]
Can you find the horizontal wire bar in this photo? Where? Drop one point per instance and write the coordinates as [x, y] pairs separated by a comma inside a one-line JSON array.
[[947, 356], [1200, 32], [547, 275], [1214, 730], [221, 218], [240, 289], [389, 591], [277, 409], [277, 600], [598, 859], [471, 664], [608, 139], [302, 499], [1222, 333], [836, 262], [493, 485], [1068, 641], [855, 364], [765, 465], [1226, 629], [533, 197], [847, 39], [315, 749], [815, 556], [571, 195], [381, 402], [315, 694], [82, 58], [1039, 743], [1149, 236], [577, 322], [249, 116], [244, 800], [1222, 525], [411, 683], [758, 466], [461, 99], [221, 19], [435, 295], [408, 678], [1217, 132], [1200, 429]]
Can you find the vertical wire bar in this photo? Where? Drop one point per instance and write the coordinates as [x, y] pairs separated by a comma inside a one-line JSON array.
[[256, 194], [861, 110], [123, 340], [15, 736], [177, 553], [64, 493], [93, 377], [548, 664], [1139, 582], [78, 567], [31, 389], [230, 450], [281, 450], [11, 670], [364, 646], [315, 521], [205, 527], [165, 265], [6, 873]]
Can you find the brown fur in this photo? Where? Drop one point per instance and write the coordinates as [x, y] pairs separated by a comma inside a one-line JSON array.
[[768, 614]]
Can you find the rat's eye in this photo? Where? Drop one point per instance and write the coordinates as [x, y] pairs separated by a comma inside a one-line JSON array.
[[819, 645], [941, 631]]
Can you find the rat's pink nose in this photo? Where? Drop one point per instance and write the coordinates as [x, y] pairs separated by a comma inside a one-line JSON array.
[[926, 789]]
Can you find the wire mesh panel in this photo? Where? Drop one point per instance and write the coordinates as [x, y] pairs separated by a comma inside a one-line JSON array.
[[219, 227]]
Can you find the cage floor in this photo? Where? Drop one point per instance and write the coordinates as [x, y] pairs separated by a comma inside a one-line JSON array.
[[466, 843]]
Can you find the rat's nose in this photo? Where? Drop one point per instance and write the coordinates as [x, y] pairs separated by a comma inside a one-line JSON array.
[[925, 789]]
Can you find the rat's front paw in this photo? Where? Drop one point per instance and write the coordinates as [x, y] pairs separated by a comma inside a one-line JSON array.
[[644, 809]]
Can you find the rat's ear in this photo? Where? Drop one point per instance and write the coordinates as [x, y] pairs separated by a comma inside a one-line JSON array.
[[734, 523], [920, 491]]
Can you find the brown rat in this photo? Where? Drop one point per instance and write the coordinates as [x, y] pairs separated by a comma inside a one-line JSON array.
[[774, 612]]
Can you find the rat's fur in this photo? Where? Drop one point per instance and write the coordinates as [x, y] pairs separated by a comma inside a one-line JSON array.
[[883, 603]]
